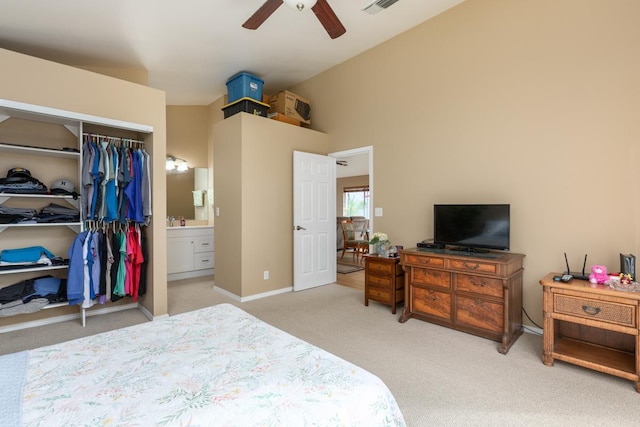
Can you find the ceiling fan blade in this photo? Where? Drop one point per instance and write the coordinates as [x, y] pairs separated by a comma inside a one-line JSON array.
[[262, 14], [328, 19]]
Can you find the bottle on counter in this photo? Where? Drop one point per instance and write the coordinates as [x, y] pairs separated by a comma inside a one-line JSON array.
[[183, 221]]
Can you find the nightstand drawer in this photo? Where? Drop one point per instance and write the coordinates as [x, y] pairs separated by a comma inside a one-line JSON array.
[[431, 302], [586, 308], [621, 314], [480, 285], [379, 294], [381, 268], [425, 276], [379, 281], [473, 265]]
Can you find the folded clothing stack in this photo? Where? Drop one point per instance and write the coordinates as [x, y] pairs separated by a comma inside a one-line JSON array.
[[57, 213], [20, 181], [31, 256], [16, 215], [31, 295]]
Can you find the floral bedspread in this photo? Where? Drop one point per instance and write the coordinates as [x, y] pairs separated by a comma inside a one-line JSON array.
[[217, 366]]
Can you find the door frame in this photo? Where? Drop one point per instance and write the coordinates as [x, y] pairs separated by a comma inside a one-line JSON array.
[[357, 151]]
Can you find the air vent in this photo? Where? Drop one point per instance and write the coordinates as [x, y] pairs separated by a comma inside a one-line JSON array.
[[378, 6]]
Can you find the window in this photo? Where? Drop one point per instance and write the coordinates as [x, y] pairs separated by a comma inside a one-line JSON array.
[[355, 201]]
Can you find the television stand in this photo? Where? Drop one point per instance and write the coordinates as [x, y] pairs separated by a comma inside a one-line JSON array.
[[477, 294]]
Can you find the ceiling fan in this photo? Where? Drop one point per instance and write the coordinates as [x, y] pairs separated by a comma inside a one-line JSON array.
[[321, 8]]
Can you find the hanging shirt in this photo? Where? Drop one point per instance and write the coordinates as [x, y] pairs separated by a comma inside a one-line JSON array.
[[75, 274], [121, 246]]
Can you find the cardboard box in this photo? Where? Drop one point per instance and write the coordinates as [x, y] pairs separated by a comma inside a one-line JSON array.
[[291, 105], [282, 118]]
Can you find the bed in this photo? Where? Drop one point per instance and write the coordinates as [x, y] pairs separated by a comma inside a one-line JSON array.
[[215, 366]]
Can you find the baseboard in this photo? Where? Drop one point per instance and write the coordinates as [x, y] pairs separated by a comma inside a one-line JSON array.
[[66, 317], [252, 297], [532, 330], [190, 274]]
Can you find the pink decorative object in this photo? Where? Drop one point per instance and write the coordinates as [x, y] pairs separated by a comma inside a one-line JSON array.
[[598, 274]]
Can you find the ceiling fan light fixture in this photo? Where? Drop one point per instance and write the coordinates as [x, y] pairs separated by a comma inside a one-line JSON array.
[[300, 4]]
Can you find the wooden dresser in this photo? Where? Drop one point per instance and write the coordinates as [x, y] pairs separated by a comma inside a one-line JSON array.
[[476, 293], [383, 281], [592, 326]]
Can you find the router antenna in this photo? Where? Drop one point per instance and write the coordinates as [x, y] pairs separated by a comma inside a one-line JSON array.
[[584, 264], [567, 262]]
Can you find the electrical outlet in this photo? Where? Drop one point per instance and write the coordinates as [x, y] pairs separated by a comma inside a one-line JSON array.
[[266, 275]]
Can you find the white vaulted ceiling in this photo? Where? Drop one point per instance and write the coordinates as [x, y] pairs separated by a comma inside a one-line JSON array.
[[191, 47]]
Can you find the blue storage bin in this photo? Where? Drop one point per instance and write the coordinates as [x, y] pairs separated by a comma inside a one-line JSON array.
[[244, 85]]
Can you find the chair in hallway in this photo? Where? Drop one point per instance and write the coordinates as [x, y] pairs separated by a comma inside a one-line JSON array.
[[351, 240]]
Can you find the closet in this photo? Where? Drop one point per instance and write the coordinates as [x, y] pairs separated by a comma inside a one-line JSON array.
[[51, 144]]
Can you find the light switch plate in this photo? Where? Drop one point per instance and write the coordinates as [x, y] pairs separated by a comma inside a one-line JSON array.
[[378, 212]]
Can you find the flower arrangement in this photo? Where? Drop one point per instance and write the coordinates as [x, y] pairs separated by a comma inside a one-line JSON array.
[[381, 241], [379, 238]]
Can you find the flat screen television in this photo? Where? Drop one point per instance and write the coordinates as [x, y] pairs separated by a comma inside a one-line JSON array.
[[472, 227]]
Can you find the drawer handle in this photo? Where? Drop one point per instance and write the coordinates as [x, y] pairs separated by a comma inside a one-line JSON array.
[[472, 266], [591, 311], [432, 297], [425, 260], [481, 284]]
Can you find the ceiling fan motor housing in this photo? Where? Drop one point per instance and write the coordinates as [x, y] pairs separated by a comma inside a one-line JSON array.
[[301, 4]]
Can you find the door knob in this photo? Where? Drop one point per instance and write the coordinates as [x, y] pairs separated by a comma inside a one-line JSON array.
[[298, 228]]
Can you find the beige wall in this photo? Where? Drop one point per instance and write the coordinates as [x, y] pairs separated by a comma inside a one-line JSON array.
[[135, 75], [533, 103], [36, 81], [341, 183], [187, 133], [253, 168]]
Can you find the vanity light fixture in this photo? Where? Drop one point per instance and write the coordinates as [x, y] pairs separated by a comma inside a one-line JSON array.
[[171, 164], [176, 164]]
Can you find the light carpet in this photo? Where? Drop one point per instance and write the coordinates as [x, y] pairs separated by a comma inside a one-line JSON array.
[[440, 377]]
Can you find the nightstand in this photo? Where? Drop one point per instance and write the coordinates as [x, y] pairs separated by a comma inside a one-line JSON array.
[[383, 281]]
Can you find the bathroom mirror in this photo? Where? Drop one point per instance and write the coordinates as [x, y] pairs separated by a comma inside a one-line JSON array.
[[187, 194]]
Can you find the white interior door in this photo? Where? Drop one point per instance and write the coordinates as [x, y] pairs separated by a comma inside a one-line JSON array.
[[314, 220]]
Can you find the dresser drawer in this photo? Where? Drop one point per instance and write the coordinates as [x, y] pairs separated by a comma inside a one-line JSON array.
[[431, 302], [481, 314], [479, 285], [425, 276], [204, 260], [473, 266], [424, 260], [203, 244], [587, 308]]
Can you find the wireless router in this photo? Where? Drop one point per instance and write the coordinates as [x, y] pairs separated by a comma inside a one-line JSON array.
[[576, 274]]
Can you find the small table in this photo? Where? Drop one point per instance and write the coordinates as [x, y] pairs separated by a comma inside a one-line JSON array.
[[592, 326], [383, 280]]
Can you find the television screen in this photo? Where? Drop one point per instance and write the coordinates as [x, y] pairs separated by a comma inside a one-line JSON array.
[[472, 226]]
